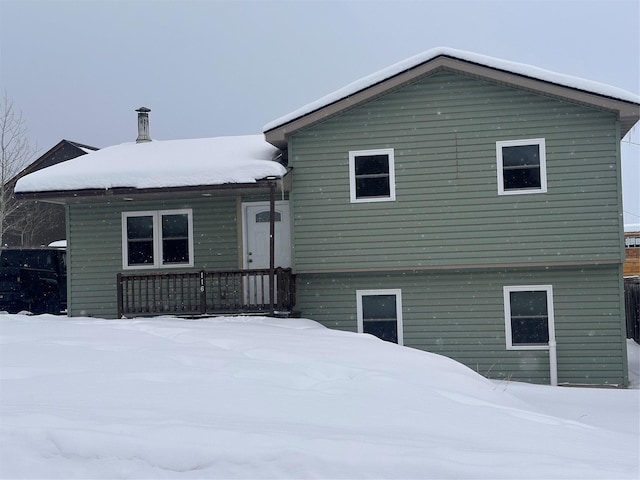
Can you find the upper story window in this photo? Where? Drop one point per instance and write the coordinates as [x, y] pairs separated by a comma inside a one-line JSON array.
[[528, 311], [372, 175], [521, 166], [155, 239]]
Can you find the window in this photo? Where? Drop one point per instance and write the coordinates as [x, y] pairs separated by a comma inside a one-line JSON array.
[[371, 175], [631, 241], [379, 312], [157, 239], [528, 312], [521, 166], [265, 217]]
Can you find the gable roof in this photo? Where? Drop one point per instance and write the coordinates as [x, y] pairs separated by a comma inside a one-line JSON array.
[[82, 146], [63, 151], [158, 165], [625, 104]]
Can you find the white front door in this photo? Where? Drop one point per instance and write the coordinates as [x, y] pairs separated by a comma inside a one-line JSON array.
[[256, 235], [257, 229]]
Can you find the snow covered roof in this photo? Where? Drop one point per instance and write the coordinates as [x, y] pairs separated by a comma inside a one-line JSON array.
[[491, 62], [161, 164]]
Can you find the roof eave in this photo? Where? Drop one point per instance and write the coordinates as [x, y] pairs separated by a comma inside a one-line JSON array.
[[127, 194]]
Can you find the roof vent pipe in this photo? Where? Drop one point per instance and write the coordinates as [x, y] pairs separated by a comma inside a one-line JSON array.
[[143, 125]]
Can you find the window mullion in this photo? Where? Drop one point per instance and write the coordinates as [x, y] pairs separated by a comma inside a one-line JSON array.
[[157, 239]]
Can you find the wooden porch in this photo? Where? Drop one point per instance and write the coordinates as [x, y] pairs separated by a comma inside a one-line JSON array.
[[194, 293]]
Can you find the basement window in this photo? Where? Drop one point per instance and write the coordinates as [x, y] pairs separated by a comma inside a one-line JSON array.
[[379, 312], [528, 311], [521, 166], [372, 175], [155, 239]]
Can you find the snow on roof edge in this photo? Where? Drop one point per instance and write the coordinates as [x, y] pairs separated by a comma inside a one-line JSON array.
[[492, 62]]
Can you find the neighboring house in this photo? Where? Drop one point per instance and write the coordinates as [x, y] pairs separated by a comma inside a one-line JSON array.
[[632, 254], [453, 203], [631, 273], [31, 232]]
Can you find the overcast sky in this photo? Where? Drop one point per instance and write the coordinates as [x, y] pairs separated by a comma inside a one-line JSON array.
[[78, 69]]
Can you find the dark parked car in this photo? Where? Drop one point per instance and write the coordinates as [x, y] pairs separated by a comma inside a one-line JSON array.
[[33, 280]]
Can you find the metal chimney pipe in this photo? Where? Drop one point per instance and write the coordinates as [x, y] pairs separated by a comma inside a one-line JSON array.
[[143, 125]]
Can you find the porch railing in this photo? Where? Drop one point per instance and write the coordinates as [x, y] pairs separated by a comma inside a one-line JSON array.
[[205, 292]]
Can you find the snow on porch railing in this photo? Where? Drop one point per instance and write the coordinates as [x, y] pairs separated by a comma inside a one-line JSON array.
[[205, 292]]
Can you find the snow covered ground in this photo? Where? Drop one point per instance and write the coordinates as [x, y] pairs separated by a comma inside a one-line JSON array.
[[267, 398]]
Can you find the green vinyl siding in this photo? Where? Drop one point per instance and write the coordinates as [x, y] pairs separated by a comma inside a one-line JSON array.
[[443, 130], [461, 315], [95, 246]]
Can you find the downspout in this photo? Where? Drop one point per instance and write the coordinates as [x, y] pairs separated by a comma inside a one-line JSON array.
[[553, 354], [289, 170], [553, 361]]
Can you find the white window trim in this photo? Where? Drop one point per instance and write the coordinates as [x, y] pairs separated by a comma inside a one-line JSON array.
[[157, 240], [543, 166], [352, 175], [359, 315], [507, 315]]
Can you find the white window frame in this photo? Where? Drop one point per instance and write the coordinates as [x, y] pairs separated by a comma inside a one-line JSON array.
[[365, 293], [543, 165], [157, 238], [507, 315], [352, 175]]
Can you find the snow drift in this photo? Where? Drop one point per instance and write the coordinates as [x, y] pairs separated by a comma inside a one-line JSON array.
[[266, 398]]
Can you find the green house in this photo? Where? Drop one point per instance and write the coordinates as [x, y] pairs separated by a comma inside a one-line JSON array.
[[453, 203]]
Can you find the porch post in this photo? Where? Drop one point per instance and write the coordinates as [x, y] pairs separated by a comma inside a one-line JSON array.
[[119, 296], [272, 245]]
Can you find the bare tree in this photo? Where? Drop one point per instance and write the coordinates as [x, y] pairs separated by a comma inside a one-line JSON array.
[[32, 220], [15, 155]]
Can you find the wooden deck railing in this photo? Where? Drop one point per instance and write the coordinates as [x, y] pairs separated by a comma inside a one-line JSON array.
[[205, 292]]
